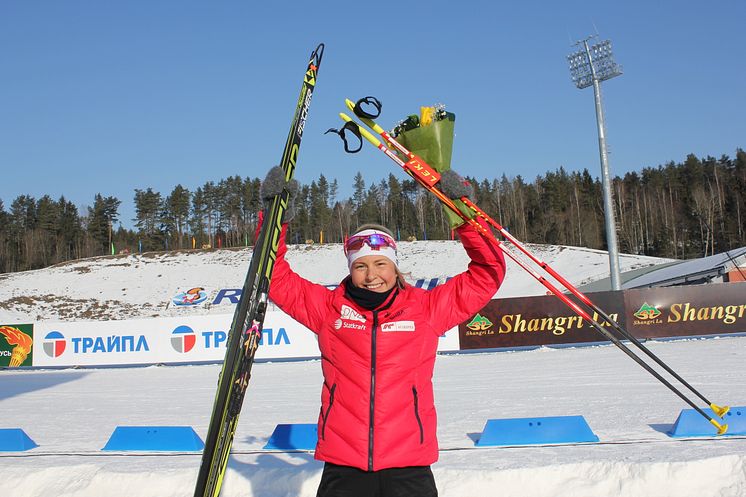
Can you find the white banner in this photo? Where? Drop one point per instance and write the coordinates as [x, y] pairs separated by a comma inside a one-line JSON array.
[[163, 341], [172, 340]]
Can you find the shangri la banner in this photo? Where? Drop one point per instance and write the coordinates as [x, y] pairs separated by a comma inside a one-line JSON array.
[[682, 311], [686, 310]]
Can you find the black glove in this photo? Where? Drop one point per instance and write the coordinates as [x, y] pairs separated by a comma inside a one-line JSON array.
[[455, 187], [273, 184]]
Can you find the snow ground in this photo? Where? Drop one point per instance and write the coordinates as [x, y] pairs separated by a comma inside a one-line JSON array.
[[71, 414]]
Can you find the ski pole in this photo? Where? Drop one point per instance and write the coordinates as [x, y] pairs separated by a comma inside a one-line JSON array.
[[721, 428], [719, 410], [427, 176]]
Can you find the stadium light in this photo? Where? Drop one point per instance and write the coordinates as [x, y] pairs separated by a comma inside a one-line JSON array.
[[590, 66]]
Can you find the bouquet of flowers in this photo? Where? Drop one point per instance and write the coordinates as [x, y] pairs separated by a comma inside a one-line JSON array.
[[429, 135]]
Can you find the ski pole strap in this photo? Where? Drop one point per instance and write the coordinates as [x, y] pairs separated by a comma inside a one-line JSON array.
[[354, 129], [369, 101]]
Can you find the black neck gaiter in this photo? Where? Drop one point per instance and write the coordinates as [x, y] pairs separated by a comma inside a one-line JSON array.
[[365, 298]]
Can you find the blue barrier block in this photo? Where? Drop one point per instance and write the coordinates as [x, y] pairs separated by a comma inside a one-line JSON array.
[[15, 440], [692, 424], [293, 437], [155, 438], [529, 431]]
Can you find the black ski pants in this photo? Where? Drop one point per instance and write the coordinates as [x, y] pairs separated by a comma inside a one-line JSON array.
[[344, 481]]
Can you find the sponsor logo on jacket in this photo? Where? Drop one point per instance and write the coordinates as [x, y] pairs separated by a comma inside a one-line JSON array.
[[398, 326], [349, 319]]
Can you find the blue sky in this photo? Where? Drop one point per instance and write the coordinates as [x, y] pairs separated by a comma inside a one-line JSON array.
[[108, 97]]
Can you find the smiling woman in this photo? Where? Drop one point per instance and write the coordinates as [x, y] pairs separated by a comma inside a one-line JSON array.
[[378, 338], [372, 259], [374, 272]]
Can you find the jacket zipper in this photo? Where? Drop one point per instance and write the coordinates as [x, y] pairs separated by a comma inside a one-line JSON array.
[[372, 389], [417, 414], [328, 410], [373, 376]]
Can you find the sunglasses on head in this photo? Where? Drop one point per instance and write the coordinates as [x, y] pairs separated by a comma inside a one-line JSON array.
[[374, 240]]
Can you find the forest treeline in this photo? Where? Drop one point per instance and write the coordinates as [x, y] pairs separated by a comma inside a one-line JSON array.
[[681, 210]]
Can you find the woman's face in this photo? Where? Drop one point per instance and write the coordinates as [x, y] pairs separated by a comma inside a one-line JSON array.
[[373, 272]]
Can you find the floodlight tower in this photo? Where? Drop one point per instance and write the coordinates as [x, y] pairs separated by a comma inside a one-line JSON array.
[[590, 66]]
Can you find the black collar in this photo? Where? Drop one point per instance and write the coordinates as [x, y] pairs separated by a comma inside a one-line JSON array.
[[365, 298]]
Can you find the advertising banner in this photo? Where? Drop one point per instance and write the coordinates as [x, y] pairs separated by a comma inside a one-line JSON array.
[[534, 321], [16, 344], [172, 340], [163, 341], [200, 297], [686, 310], [680, 311], [504, 323]]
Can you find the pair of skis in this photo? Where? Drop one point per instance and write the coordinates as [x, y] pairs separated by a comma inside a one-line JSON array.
[[428, 177], [246, 328]]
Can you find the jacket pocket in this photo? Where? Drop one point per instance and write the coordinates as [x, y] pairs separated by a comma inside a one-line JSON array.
[[417, 414], [328, 410]]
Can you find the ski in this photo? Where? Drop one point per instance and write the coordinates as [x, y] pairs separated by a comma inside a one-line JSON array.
[[246, 327], [428, 178]]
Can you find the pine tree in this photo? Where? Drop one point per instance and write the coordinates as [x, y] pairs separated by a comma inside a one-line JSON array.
[[176, 213], [212, 199], [319, 209], [69, 231], [231, 192], [22, 223], [4, 240], [250, 206], [358, 197], [395, 202], [101, 218], [148, 212], [197, 221], [45, 233]]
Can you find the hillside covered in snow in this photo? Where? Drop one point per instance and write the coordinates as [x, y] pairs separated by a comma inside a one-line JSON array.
[[143, 285]]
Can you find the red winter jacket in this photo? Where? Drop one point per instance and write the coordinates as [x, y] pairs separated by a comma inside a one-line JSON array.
[[377, 406]]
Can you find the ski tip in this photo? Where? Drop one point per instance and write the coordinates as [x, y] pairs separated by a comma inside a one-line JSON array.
[[316, 55]]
